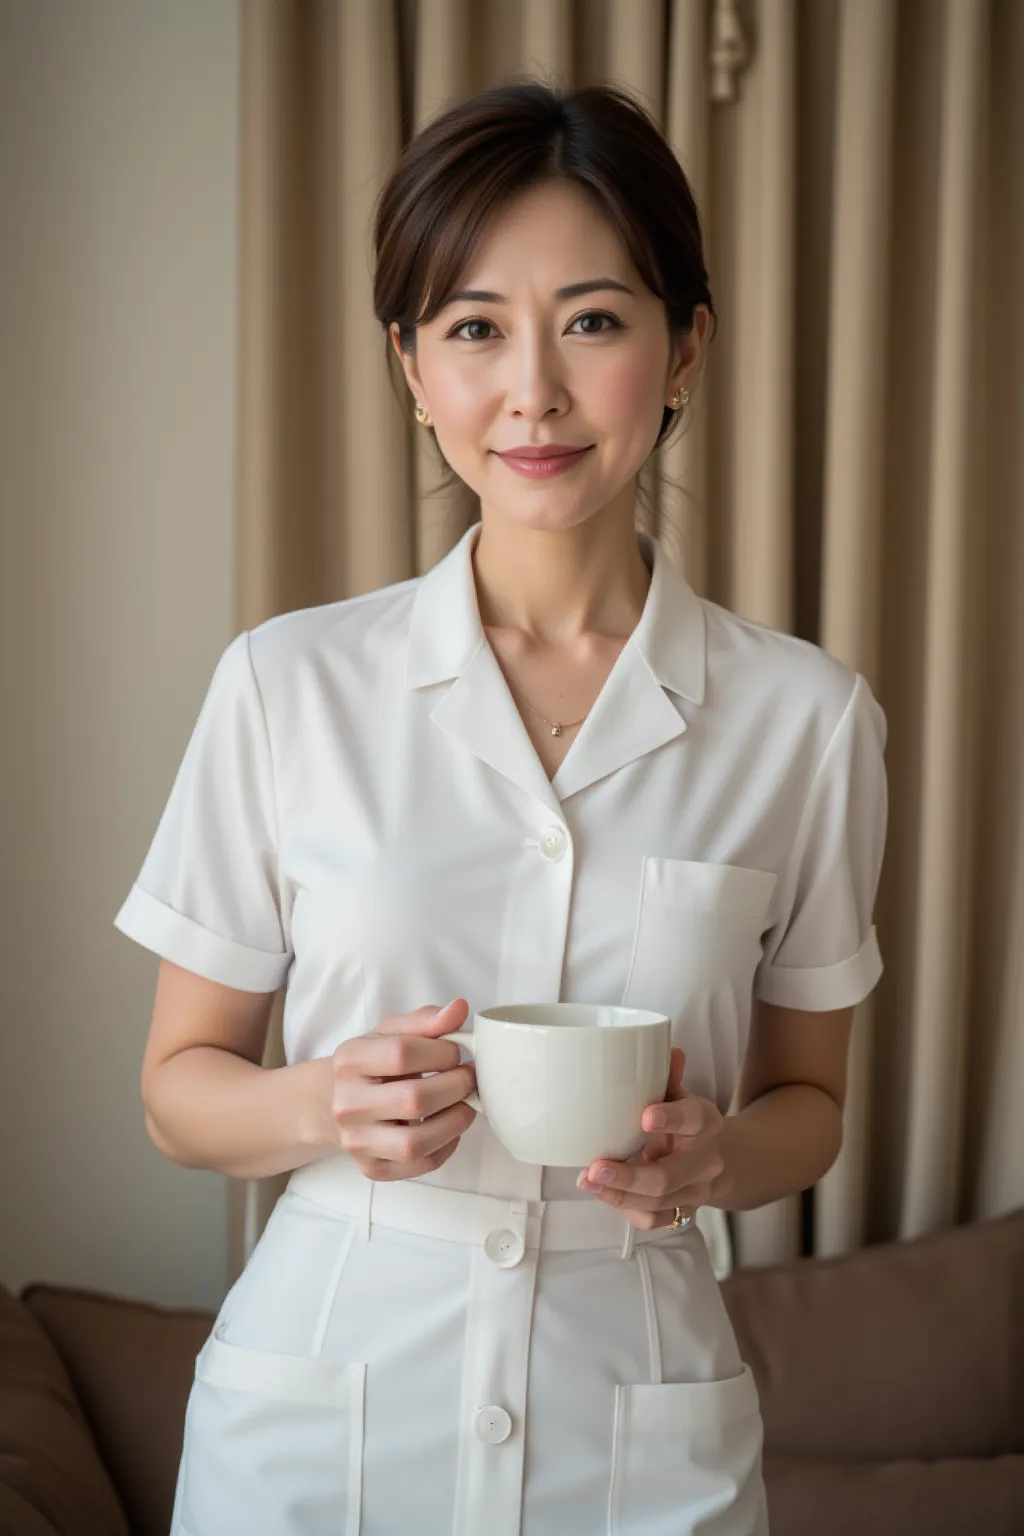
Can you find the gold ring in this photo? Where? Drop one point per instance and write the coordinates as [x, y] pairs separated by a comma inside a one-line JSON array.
[[678, 1220]]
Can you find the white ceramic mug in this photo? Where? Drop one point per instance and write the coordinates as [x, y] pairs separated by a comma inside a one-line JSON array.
[[565, 1083]]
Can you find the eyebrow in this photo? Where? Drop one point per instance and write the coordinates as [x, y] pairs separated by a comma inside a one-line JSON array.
[[571, 291]]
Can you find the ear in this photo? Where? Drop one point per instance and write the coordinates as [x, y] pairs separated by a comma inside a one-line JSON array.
[[408, 362], [688, 349]]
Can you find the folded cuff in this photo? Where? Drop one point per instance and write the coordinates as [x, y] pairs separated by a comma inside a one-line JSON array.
[[158, 927], [819, 989]]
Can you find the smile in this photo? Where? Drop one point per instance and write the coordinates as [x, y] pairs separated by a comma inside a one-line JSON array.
[[536, 469]]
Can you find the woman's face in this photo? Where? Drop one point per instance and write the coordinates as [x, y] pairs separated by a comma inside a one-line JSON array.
[[589, 370]]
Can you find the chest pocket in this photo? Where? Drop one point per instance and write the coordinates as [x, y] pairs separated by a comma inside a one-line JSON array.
[[695, 950]]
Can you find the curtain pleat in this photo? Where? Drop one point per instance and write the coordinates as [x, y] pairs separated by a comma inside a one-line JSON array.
[[760, 424], [444, 74], [547, 39], [994, 1143], [760, 585], [855, 406], [681, 466], [850, 467], [635, 39], [939, 1040], [370, 459]]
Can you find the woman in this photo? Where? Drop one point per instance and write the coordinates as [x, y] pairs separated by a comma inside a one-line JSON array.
[[546, 770]]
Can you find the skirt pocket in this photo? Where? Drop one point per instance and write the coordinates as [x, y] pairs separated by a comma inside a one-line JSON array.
[[686, 1460], [273, 1444]]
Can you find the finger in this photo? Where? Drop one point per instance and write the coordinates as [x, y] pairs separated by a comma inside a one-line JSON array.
[[408, 1097], [675, 1072], [688, 1116], [652, 1180], [396, 1142], [658, 1144], [646, 1221], [699, 1165], [428, 1020], [674, 1089], [385, 1169], [395, 1054], [673, 1092], [686, 1196]]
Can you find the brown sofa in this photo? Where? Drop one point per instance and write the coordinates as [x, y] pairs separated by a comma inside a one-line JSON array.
[[891, 1382]]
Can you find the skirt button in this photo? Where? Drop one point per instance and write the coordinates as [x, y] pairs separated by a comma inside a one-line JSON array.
[[492, 1424], [504, 1248]]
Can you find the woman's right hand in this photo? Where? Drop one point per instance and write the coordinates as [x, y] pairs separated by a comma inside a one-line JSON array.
[[378, 1094]]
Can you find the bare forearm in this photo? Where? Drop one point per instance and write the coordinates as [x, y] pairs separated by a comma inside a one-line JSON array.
[[779, 1144], [208, 1108]]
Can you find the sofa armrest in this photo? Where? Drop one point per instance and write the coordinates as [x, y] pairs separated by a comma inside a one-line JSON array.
[[52, 1479], [132, 1364]]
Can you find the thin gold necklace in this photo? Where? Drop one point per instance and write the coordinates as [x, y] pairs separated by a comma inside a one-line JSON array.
[[556, 729]]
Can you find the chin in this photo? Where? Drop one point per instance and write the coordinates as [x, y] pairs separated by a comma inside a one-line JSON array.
[[549, 518]]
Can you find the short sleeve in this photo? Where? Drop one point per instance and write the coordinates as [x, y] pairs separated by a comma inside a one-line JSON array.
[[822, 951], [207, 896]]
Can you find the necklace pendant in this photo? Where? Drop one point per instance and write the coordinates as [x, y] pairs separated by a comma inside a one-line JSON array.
[[556, 730]]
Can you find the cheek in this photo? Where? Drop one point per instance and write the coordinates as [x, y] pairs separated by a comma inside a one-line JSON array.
[[628, 390], [456, 389], [462, 423], [461, 397]]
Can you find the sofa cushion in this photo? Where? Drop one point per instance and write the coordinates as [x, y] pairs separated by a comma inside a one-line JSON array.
[[944, 1498], [897, 1352], [132, 1365], [52, 1480]]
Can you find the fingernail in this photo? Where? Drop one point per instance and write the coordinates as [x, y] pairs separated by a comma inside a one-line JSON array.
[[656, 1119], [605, 1176], [581, 1181]]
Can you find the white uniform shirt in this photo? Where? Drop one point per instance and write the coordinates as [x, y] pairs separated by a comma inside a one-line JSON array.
[[360, 815]]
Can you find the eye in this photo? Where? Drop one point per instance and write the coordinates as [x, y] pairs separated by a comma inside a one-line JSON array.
[[590, 314], [598, 314], [462, 325]]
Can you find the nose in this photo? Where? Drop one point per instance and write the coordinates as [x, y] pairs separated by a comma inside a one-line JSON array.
[[536, 383]]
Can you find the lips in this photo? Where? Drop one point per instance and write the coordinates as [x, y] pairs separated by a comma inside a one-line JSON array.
[[547, 462], [546, 451]]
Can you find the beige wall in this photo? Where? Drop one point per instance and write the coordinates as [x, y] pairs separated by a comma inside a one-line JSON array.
[[117, 330]]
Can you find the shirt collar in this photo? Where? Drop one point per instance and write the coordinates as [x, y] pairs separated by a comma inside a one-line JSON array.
[[445, 630]]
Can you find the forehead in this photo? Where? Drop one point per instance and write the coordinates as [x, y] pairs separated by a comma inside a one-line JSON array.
[[548, 234]]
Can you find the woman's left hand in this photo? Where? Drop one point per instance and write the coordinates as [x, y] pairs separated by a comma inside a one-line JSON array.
[[681, 1159]]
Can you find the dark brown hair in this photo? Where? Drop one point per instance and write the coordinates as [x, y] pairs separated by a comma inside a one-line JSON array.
[[469, 161]]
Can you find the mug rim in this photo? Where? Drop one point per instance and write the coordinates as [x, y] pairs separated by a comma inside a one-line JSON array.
[[625, 1018]]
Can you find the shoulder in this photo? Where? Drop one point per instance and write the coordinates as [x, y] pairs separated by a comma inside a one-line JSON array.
[[355, 631], [791, 685]]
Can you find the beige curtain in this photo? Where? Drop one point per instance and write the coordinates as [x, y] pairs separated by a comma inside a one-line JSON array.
[[852, 470]]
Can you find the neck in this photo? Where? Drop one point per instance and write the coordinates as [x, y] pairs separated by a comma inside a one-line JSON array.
[[557, 586]]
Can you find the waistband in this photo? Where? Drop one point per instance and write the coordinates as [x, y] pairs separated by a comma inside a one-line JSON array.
[[504, 1228]]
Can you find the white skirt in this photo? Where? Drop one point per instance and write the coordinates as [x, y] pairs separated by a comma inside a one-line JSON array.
[[404, 1360]]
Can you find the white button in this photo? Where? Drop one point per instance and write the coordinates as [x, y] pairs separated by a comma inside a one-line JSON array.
[[553, 842], [492, 1424], [504, 1248]]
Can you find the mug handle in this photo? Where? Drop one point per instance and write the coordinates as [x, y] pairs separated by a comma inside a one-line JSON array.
[[467, 1040]]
